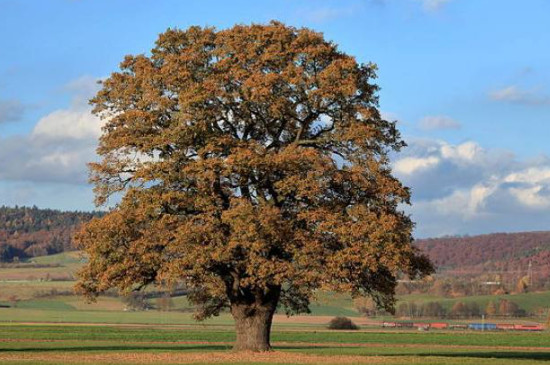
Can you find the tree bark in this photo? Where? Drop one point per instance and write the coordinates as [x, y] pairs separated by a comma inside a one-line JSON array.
[[253, 322]]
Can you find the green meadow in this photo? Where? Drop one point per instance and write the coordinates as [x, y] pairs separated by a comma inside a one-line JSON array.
[[43, 322], [55, 344]]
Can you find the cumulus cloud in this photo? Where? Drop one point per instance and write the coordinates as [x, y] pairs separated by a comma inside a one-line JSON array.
[[410, 165], [438, 122], [58, 147], [531, 186], [46, 156], [535, 175], [464, 188], [11, 111], [68, 124], [465, 152], [467, 203], [515, 94]]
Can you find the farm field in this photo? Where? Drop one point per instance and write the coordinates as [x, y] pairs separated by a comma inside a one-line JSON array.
[[274, 182], [37, 295], [76, 344], [527, 301], [48, 324]]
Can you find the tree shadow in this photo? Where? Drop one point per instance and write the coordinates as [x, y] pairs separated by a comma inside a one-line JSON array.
[[512, 355]]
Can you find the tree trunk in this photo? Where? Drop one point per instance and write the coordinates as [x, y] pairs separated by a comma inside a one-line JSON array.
[[253, 322], [253, 328]]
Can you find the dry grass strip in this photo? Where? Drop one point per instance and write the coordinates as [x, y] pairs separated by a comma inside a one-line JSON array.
[[273, 357]]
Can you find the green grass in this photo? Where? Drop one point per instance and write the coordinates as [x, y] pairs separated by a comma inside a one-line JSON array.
[[331, 310], [377, 347], [333, 304], [154, 332], [48, 304], [327, 304], [527, 301], [163, 334], [20, 314], [64, 258]]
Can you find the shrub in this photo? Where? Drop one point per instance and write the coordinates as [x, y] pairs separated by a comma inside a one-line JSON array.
[[342, 323]]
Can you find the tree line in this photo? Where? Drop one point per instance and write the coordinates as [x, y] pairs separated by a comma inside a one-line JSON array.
[[502, 308], [29, 231]]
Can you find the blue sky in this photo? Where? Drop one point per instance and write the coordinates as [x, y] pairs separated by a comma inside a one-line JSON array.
[[468, 81]]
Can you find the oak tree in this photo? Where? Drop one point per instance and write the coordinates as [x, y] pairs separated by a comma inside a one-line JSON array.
[[252, 166]]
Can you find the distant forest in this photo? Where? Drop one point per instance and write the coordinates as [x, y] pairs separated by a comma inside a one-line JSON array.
[[27, 232], [490, 252], [496, 257]]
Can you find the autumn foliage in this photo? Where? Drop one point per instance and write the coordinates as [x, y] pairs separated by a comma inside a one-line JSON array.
[[28, 231], [252, 166], [503, 257]]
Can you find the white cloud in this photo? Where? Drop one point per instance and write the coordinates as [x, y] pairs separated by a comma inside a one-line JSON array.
[[464, 203], [423, 155], [530, 175], [410, 165], [533, 196], [473, 190], [514, 94], [46, 160], [531, 187], [438, 122], [468, 151], [58, 147], [68, 123]]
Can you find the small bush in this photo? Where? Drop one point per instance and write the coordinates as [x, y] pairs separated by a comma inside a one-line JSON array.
[[342, 323]]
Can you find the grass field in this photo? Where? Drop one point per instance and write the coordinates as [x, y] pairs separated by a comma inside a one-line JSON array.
[[29, 282], [41, 300], [527, 301], [47, 324], [76, 344]]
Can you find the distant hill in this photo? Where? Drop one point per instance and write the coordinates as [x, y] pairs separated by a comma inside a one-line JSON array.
[[506, 253], [27, 232]]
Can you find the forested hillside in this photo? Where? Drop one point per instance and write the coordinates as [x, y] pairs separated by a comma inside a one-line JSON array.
[[27, 232], [497, 253]]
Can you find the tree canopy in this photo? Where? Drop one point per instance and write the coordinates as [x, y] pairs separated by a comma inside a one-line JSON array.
[[252, 165]]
